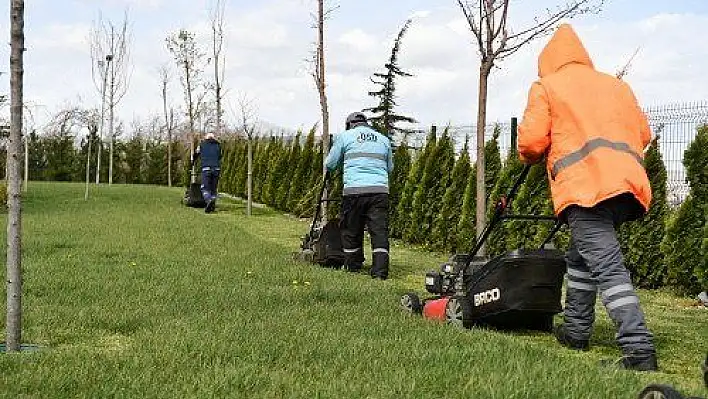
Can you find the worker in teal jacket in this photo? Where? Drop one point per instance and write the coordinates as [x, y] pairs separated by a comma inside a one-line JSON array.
[[367, 160]]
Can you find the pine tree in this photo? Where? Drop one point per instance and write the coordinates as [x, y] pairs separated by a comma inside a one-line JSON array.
[[286, 185], [466, 232], [242, 181], [441, 180], [236, 168], [492, 164], [264, 161], [384, 116], [133, 158], [412, 233], [227, 154], [531, 199], [275, 171], [404, 209], [303, 170], [401, 168], [492, 161], [445, 226], [336, 189], [307, 205], [499, 237], [641, 240], [685, 237], [316, 167]]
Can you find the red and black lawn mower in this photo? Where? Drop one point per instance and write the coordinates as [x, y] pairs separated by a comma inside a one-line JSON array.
[[519, 290]]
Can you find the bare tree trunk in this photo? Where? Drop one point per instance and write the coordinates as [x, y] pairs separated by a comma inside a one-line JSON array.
[[484, 71], [110, 127], [249, 180], [101, 125], [322, 86], [88, 167], [14, 197], [169, 156], [168, 127], [190, 105], [26, 141], [217, 27]]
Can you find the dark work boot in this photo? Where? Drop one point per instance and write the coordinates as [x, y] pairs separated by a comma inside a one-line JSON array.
[[379, 266], [210, 206], [569, 342], [639, 361], [353, 267]]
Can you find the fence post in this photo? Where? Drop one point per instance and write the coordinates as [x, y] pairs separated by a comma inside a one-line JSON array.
[[514, 127]]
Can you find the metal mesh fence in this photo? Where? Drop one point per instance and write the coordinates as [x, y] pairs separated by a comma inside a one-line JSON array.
[[674, 124]]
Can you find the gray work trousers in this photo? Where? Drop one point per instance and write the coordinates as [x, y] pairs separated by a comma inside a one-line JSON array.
[[595, 262]]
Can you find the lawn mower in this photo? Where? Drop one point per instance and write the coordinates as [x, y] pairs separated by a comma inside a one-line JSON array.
[[661, 391], [193, 196], [322, 245], [519, 290]]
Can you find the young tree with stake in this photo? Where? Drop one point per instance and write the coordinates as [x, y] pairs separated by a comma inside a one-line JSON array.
[[318, 75], [247, 119], [13, 326], [111, 43], [495, 41], [217, 37], [188, 57]]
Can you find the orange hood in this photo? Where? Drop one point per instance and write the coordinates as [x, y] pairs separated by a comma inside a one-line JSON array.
[[564, 48]]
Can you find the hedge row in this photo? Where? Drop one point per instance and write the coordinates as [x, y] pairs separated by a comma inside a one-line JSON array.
[[433, 201]]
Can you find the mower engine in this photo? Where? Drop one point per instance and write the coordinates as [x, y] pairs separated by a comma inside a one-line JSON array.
[[442, 282], [445, 283]]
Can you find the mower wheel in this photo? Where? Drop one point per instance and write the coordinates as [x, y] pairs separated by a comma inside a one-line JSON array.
[[410, 302], [658, 391], [457, 312]]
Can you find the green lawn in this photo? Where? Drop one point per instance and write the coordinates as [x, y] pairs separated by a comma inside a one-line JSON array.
[[133, 295]]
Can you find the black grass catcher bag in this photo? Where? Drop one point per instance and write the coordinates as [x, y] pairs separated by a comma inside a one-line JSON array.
[[323, 243], [193, 197]]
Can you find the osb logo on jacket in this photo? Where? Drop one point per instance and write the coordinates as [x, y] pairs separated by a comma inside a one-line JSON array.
[[589, 126]]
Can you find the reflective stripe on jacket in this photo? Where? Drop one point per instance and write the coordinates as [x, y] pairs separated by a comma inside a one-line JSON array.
[[588, 125], [367, 159]]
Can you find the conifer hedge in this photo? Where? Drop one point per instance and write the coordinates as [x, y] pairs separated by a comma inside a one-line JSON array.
[[684, 245], [641, 240], [432, 199]]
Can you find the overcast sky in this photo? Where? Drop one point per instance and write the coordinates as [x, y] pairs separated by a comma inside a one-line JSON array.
[[269, 40]]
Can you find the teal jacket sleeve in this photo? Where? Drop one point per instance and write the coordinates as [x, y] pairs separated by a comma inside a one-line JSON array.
[[334, 158]]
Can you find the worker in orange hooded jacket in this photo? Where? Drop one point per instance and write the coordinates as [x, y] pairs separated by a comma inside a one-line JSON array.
[[590, 130]]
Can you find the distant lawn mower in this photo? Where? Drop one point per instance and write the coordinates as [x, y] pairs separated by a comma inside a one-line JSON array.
[[519, 290], [322, 245], [193, 196]]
